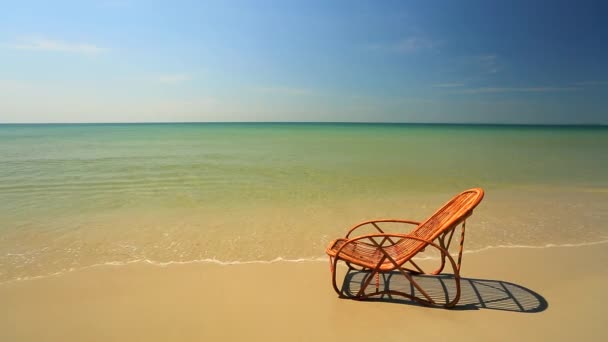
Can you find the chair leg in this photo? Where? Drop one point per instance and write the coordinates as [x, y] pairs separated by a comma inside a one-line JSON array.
[[424, 299], [368, 280], [333, 277]]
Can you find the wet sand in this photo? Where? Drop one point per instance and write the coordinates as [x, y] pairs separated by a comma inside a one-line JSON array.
[[563, 288]]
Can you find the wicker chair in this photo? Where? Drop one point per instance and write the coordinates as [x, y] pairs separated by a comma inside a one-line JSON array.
[[388, 253]]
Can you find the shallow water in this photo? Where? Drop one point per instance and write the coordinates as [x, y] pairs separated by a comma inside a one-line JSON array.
[[72, 196]]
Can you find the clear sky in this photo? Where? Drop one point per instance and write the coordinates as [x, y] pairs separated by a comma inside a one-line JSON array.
[[392, 61]]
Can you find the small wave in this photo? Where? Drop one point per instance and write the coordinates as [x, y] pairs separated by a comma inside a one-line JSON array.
[[549, 245], [168, 263], [236, 262], [279, 259]]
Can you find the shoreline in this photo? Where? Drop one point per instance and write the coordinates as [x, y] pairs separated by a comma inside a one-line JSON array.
[[294, 301], [319, 259]]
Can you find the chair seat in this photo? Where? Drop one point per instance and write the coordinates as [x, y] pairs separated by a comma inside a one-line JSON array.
[[368, 255]]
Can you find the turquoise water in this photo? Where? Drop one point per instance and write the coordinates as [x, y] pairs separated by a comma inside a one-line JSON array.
[[72, 196]]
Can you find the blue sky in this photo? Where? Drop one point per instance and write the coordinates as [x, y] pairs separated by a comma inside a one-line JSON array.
[[388, 61]]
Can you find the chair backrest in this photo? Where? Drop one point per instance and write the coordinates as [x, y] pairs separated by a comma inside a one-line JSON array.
[[450, 215]]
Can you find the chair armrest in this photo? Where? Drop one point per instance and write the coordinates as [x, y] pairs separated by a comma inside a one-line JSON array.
[[373, 222]]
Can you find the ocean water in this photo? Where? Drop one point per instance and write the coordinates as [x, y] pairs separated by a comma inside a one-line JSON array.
[[73, 196]]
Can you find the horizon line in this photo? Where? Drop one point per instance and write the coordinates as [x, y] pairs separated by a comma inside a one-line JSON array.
[[313, 122]]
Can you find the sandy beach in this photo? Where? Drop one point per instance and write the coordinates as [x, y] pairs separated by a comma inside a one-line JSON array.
[[563, 288]]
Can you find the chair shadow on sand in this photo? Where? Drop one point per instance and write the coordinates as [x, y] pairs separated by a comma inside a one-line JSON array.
[[475, 293]]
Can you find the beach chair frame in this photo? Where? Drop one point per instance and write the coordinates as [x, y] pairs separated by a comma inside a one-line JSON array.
[[382, 253]]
